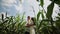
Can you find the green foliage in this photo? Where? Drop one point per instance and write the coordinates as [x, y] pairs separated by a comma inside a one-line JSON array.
[[42, 2], [56, 1], [42, 14], [58, 21], [12, 25], [16, 25], [48, 26], [50, 10], [38, 15], [39, 22]]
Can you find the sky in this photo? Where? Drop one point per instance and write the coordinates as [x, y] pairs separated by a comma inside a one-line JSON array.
[[12, 7]]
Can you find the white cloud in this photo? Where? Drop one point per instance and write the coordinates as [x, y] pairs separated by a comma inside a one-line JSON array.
[[55, 11], [8, 2], [27, 7], [19, 7]]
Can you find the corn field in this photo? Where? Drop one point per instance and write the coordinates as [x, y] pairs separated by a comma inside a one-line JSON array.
[[46, 25]]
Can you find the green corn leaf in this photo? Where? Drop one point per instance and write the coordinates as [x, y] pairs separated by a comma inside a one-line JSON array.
[[2, 17], [50, 10], [23, 23], [42, 2], [42, 14], [18, 18], [56, 1], [38, 15], [23, 16]]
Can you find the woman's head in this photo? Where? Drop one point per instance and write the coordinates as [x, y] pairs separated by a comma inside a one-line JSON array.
[[33, 19]]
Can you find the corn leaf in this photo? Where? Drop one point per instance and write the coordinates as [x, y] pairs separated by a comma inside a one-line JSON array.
[[38, 15], [50, 10], [42, 2]]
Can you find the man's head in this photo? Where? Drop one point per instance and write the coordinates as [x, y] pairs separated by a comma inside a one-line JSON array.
[[28, 18]]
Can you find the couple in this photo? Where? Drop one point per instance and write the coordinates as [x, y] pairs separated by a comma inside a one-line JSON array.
[[30, 25]]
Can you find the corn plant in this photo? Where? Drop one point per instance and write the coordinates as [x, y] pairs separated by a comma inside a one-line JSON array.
[[12, 25], [46, 26]]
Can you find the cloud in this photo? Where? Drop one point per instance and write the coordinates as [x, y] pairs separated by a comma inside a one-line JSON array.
[[8, 2], [19, 7], [27, 7], [11, 6]]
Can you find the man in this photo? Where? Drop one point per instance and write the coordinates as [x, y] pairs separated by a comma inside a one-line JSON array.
[[30, 25]]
